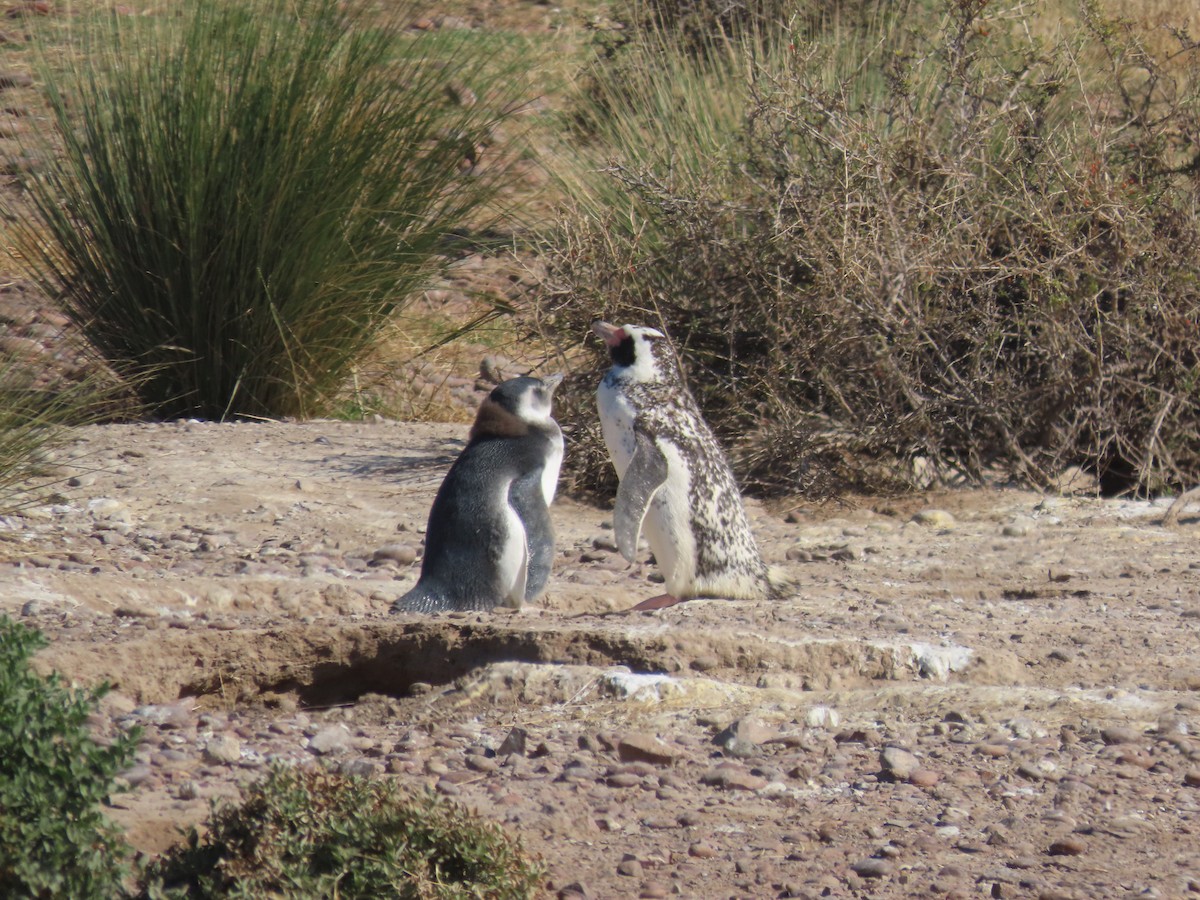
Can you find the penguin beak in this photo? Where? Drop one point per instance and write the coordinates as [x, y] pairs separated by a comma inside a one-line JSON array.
[[610, 334], [552, 381]]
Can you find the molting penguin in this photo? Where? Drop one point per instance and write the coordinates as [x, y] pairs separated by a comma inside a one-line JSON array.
[[489, 541], [675, 479]]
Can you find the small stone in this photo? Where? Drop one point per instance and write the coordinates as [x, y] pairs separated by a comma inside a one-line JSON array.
[[1119, 734], [1068, 846], [700, 850], [629, 866], [224, 750], [639, 747], [935, 518], [1192, 778], [731, 778], [747, 730], [652, 890], [482, 764], [898, 763], [514, 743], [873, 868], [330, 740], [924, 777], [361, 768], [402, 554], [1022, 526], [135, 775], [104, 507]]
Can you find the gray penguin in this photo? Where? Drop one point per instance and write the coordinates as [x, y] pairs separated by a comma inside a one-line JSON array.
[[674, 478], [489, 540]]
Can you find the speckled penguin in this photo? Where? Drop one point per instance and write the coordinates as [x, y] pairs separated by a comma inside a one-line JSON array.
[[489, 541], [675, 480]]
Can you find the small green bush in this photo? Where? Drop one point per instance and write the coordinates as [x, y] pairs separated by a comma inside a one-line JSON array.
[[919, 240], [313, 833], [239, 195], [54, 840]]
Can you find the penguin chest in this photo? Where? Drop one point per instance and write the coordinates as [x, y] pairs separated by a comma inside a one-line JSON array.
[[617, 414], [668, 524], [511, 557], [550, 470]]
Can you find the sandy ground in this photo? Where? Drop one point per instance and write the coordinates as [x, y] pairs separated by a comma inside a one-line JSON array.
[[986, 693]]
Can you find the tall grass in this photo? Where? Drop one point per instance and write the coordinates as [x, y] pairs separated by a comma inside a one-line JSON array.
[[933, 242], [34, 420], [242, 194]]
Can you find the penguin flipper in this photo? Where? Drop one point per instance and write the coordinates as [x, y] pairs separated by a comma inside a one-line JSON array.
[[528, 499], [646, 473]]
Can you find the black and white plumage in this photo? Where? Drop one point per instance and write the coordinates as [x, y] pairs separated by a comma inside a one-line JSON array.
[[675, 480], [489, 540]]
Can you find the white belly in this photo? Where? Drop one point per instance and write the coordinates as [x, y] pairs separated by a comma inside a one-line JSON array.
[[553, 465], [513, 564], [616, 422], [668, 527], [668, 523]]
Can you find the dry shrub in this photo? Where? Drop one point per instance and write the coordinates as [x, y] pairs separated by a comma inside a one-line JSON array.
[[926, 246]]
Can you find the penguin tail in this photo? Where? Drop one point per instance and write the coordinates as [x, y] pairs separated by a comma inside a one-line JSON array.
[[781, 583]]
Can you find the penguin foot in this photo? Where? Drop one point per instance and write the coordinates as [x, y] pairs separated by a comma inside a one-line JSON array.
[[662, 601]]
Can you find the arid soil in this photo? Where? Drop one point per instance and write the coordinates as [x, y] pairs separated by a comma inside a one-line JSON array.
[[985, 693]]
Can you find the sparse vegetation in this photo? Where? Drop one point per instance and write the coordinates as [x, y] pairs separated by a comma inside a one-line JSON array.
[[237, 197], [899, 241], [313, 833], [54, 840], [34, 419]]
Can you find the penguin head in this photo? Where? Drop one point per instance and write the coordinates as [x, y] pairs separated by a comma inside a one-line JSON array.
[[515, 406], [639, 353]]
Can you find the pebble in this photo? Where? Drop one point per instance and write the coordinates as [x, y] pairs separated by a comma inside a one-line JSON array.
[[873, 868], [1068, 846], [898, 763], [331, 740], [731, 778], [402, 554], [935, 518], [223, 750], [640, 747]]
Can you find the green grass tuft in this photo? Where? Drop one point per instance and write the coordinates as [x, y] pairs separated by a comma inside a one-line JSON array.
[[242, 194]]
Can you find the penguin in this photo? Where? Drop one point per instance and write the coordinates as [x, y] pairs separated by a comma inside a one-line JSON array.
[[674, 478], [489, 541]]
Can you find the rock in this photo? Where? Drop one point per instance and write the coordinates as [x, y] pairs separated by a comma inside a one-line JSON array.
[[513, 743], [873, 868], [104, 507], [331, 740], [1119, 734], [401, 554], [224, 750], [935, 518], [640, 747], [748, 730], [924, 777], [1071, 845], [732, 778], [629, 866], [898, 763]]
